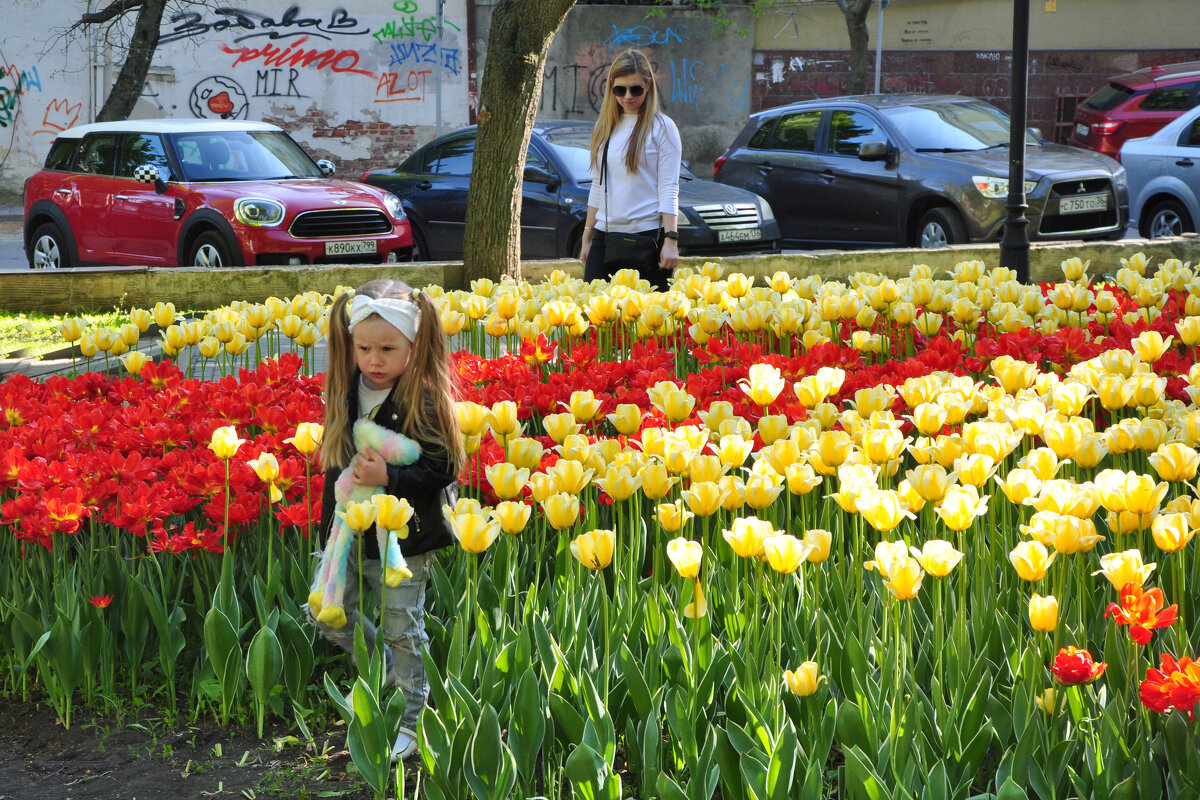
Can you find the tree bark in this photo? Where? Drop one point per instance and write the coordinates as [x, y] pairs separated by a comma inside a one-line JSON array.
[[517, 45], [142, 44], [855, 12]]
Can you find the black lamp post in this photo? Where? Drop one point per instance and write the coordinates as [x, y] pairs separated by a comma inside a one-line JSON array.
[[1014, 247]]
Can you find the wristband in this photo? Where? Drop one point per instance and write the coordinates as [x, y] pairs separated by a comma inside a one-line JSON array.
[[671, 235]]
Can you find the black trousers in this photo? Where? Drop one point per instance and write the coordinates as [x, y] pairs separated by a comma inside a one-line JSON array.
[[594, 269]]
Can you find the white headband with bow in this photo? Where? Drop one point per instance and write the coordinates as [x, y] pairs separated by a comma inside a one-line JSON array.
[[403, 315]]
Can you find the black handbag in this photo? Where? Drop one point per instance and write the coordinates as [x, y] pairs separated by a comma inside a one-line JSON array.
[[627, 250]]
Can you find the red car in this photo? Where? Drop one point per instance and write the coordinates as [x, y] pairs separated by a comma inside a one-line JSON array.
[[1134, 105], [201, 193]]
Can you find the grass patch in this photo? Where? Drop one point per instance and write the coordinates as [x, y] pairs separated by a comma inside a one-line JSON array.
[[35, 334]]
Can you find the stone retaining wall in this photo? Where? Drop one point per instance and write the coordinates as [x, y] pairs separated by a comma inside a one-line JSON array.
[[98, 289]]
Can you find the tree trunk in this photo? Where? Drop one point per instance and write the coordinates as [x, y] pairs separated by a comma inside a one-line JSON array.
[[142, 44], [517, 44], [855, 12]]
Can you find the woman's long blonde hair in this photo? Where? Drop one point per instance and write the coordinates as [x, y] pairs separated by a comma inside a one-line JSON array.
[[429, 373], [630, 62]]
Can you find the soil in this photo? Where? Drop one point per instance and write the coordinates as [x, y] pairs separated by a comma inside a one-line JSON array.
[[103, 759]]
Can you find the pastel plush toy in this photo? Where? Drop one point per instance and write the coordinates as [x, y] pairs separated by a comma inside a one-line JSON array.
[[329, 586]]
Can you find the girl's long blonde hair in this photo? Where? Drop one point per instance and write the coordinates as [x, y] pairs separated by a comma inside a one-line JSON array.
[[630, 62], [429, 373]]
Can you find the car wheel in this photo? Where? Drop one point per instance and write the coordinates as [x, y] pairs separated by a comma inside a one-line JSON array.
[[420, 250], [939, 227], [48, 250], [210, 250], [1166, 218]]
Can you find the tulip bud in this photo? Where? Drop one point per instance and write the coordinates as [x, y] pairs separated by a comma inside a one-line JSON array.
[[805, 680], [1043, 613]]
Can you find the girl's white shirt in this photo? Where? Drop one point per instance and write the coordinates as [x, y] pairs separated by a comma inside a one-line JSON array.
[[369, 399], [637, 199]]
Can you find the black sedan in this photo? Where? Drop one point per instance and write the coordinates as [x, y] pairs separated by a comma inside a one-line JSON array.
[[914, 169], [432, 184]]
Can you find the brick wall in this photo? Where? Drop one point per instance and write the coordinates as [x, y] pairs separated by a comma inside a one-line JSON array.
[[386, 144], [1056, 78]]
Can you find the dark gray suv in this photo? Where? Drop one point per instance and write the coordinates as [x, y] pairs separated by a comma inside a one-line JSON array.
[[915, 170]]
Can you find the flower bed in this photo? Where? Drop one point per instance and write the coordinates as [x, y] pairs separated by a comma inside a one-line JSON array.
[[889, 538]]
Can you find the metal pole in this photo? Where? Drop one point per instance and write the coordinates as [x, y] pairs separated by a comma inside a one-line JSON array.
[[879, 44], [437, 69], [1014, 247]]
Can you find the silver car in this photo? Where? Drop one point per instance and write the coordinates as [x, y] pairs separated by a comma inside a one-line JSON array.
[[1164, 178]]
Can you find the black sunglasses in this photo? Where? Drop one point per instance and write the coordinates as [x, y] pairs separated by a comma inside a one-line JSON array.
[[634, 91]]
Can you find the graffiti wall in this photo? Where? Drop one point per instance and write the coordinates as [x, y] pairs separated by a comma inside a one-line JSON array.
[[703, 74], [355, 81]]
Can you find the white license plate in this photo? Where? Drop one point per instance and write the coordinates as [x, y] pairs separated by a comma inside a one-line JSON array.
[[1081, 130], [351, 247], [1080, 205], [739, 235]]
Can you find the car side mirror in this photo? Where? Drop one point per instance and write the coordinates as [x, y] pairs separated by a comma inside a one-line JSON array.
[[149, 174], [539, 175], [1037, 133], [326, 167], [873, 151]]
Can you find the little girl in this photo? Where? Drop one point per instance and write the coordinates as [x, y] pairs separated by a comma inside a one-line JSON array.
[[389, 361]]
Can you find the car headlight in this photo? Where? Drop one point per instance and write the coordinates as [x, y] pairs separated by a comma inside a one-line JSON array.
[[683, 219], [258, 211], [764, 211], [993, 187], [1121, 178], [394, 207]]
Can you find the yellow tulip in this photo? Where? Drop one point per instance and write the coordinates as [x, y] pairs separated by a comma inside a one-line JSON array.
[[761, 490], [525, 453], [307, 438], [560, 426], [619, 483], [512, 515], [1042, 462], [392, 513], [502, 419], [784, 552], [773, 427], [1048, 700], [881, 445], [805, 680], [763, 384], [674, 403], [960, 506], [705, 469], [1172, 532], [1031, 560], [685, 556], [173, 340], [1175, 462], [594, 549], [1069, 535], [801, 478], [1150, 345], [656, 481], [821, 542], [735, 492], [975, 469], [584, 405], [1188, 329], [71, 330], [733, 450], [704, 498], [1043, 613], [834, 447], [135, 361], [672, 516], [1125, 567], [746, 536], [506, 480], [905, 580], [359, 516], [561, 510], [937, 557], [472, 417], [929, 418], [1091, 451], [1142, 494], [882, 508], [1114, 391], [1012, 374], [475, 532], [929, 481], [225, 442]]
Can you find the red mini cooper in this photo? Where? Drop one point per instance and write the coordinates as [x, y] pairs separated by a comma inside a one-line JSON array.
[[204, 193]]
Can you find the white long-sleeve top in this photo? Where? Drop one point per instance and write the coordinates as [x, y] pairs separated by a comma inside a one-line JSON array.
[[636, 199]]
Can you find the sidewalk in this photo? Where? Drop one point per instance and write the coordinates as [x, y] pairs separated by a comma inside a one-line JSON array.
[[11, 212]]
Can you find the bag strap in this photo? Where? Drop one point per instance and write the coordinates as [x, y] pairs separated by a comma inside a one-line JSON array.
[[604, 180]]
